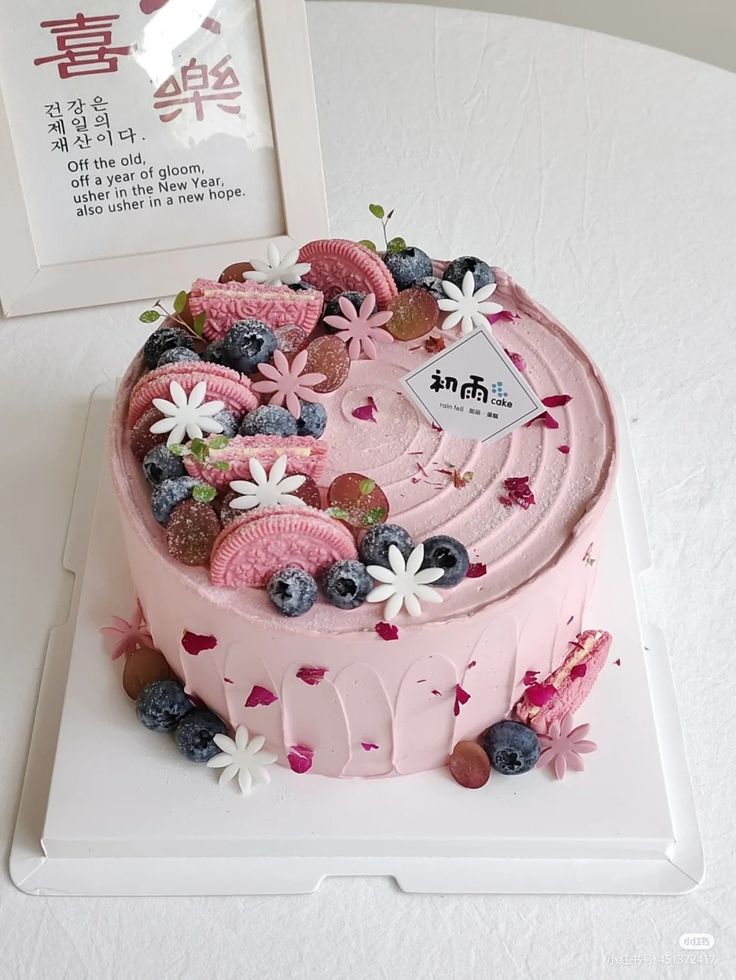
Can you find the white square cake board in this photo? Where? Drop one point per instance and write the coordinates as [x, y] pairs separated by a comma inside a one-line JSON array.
[[109, 808]]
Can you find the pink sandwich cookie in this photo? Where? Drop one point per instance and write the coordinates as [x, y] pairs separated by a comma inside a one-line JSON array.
[[338, 266], [564, 691], [250, 550], [226, 303], [222, 383], [304, 455]]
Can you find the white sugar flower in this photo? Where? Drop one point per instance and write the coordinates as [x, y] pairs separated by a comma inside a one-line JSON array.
[[278, 271], [404, 583], [466, 307], [187, 416], [272, 490], [243, 757]]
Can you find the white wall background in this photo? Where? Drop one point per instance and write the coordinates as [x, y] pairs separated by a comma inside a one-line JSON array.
[[702, 29]]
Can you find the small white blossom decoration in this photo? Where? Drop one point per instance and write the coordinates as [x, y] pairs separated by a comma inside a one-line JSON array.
[[243, 757], [466, 307], [278, 271], [189, 416], [272, 490], [404, 583]]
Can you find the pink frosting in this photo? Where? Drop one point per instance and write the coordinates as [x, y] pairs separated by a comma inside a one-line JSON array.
[[519, 616]]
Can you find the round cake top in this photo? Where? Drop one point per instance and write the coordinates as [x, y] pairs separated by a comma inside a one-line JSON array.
[[515, 504]]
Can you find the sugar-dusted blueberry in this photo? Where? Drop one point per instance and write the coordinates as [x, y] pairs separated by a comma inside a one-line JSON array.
[[168, 494], [215, 353], [512, 748], [448, 554], [175, 355], [302, 287], [376, 542], [162, 340], [248, 343], [332, 307], [292, 590], [408, 266], [346, 584], [433, 286], [195, 735], [161, 705], [482, 272], [312, 421], [161, 464], [268, 420], [229, 421]]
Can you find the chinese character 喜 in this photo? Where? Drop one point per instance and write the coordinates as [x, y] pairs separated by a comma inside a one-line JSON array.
[[199, 84], [85, 46]]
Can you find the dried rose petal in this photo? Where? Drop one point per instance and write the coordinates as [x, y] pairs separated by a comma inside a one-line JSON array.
[[367, 412], [357, 500], [502, 315], [469, 765], [540, 694], [194, 643], [300, 758], [329, 356], [415, 314], [530, 677], [387, 631], [142, 667], [578, 670], [369, 745], [476, 570], [311, 675], [618, 661], [563, 449], [516, 359], [260, 696], [461, 697], [437, 694], [433, 345], [556, 401]]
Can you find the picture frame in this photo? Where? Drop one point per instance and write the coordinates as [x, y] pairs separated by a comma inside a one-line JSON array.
[[105, 265]]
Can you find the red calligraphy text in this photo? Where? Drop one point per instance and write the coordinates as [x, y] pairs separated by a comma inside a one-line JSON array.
[[84, 46], [196, 85]]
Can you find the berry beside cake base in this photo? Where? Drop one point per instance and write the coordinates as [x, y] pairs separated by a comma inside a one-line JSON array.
[[349, 582]]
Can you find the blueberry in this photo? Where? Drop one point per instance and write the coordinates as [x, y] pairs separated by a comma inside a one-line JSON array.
[[174, 355], [332, 307], [312, 421], [195, 735], [303, 287], [161, 464], [268, 420], [169, 494], [162, 340], [346, 584], [376, 542], [482, 272], [215, 353], [161, 705], [513, 748], [407, 266], [433, 286], [249, 343], [292, 590], [229, 421], [448, 554]]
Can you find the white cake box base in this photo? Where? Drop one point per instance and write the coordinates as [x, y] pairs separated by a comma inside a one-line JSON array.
[[109, 808]]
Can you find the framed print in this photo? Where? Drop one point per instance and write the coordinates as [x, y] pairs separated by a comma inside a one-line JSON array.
[[146, 142]]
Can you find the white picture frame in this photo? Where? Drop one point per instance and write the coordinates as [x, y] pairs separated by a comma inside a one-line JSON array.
[[28, 286]]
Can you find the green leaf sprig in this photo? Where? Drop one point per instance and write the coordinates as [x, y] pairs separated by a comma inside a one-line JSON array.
[[180, 302], [392, 245], [200, 450]]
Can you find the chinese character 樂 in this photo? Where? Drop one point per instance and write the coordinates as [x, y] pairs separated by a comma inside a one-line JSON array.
[[196, 85], [84, 45]]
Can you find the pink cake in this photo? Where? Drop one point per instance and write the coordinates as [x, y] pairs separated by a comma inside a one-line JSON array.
[[341, 692]]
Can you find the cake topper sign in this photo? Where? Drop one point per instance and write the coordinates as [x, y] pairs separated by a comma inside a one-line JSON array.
[[472, 390]]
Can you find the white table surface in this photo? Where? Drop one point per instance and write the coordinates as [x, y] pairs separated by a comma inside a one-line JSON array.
[[600, 173]]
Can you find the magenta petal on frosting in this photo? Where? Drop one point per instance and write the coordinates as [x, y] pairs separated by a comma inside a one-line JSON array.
[[556, 401], [563, 449], [300, 758], [540, 694], [260, 696], [369, 745], [387, 631], [366, 413], [461, 697], [476, 570], [311, 675], [501, 315], [529, 678], [437, 694], [516, 359], [579, 670], [194, 643]]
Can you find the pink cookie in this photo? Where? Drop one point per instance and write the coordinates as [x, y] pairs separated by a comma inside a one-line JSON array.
[[304, 455], [226, 303], [572, 681], [339, 265], [249, 551], [223, 384]]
